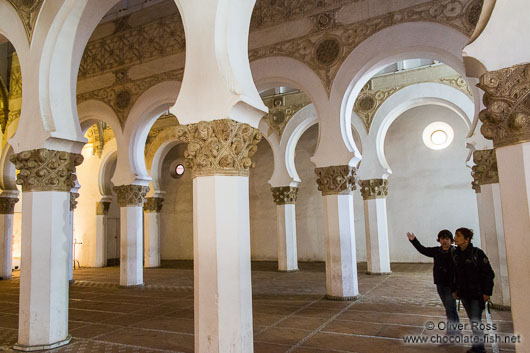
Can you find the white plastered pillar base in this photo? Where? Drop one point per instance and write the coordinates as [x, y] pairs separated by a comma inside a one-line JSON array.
[[376, 227], [152, 239], [514, 178], [286, 232], [221, 249], [131, 229], [6, 241], [492, 240], [341, 263], [71, 246], [99, 248], [43, 310]]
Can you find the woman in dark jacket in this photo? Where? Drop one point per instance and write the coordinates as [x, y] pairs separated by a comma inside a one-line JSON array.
[[442, 273]]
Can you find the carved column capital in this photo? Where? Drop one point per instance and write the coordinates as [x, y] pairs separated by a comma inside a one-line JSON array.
[[46, 170], [7, 205], [506, 119], [73, 200], [334, 180], [374, 188], [153, 204], [131, 195], [221, 147], [284, 194], [102, 208], [485, 169]]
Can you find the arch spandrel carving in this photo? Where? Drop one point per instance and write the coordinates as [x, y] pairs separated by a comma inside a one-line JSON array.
[[28, 11]]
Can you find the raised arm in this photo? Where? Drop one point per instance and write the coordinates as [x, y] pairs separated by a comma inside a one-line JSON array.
[[421, 249]]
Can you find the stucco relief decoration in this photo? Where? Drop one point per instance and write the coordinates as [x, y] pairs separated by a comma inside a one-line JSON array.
[[102, 208], [374, 188], [284, 194], [335, 180], [133, 45], [27, 10], [15, 79], [221, 147], [4, 105], [349, 36], [122, 95], [368, 102], [46, 170], [485, 169], [7, 205], [131, 195], [506, 119], [73, 200], [279, 116], [153, 204]]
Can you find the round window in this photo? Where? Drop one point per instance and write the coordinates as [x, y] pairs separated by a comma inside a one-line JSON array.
[[438, 135], [179, 169]]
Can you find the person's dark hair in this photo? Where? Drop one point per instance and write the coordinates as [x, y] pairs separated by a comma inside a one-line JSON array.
[[445, 234], [466, 233]]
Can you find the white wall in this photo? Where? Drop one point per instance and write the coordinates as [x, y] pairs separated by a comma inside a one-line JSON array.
[[309, 219], [428, 190], [176, 224]]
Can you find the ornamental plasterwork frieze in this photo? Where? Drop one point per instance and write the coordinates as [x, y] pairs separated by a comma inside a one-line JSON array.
[[485, 169], [374, 188], [15, 79], [123, 94], [334, 180], [4, 105], [46, 170], [131, 195], [368, 102], [153, 204], [278, 117], [133, 45], [326, 50], [220, 147], [457, 82], [268, 13], [7, 205], [283, 195], [506, 119], [27, 10]]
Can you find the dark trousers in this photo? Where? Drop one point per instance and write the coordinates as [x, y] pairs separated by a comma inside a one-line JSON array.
[[474, 308], [450, 307]]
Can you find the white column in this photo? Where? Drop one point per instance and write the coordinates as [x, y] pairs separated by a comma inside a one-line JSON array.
[[374, 192], [486, 185], [73, 203], [223, 293], [492, 240], [152, 208], [285, 198], [514, 179], [46, 177], [131, 199], [99, 249], [7, 207], [337, 184]]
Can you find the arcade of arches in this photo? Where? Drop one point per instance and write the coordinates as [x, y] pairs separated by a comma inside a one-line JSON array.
[[141, 134]]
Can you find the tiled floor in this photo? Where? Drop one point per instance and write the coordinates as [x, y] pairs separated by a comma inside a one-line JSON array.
[[289, 310]]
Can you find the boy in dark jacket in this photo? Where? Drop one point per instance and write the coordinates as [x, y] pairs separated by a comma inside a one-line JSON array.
[[442, 273], [473, 283]]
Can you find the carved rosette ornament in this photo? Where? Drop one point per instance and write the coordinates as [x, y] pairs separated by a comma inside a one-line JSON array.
[[7, 205], [46, 170], [506, 119], [102, 208], [334, 180], [153, 204], [485, 169], [131, 195], [73, 200], [374, 188], [221, 147], [284, 194]]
